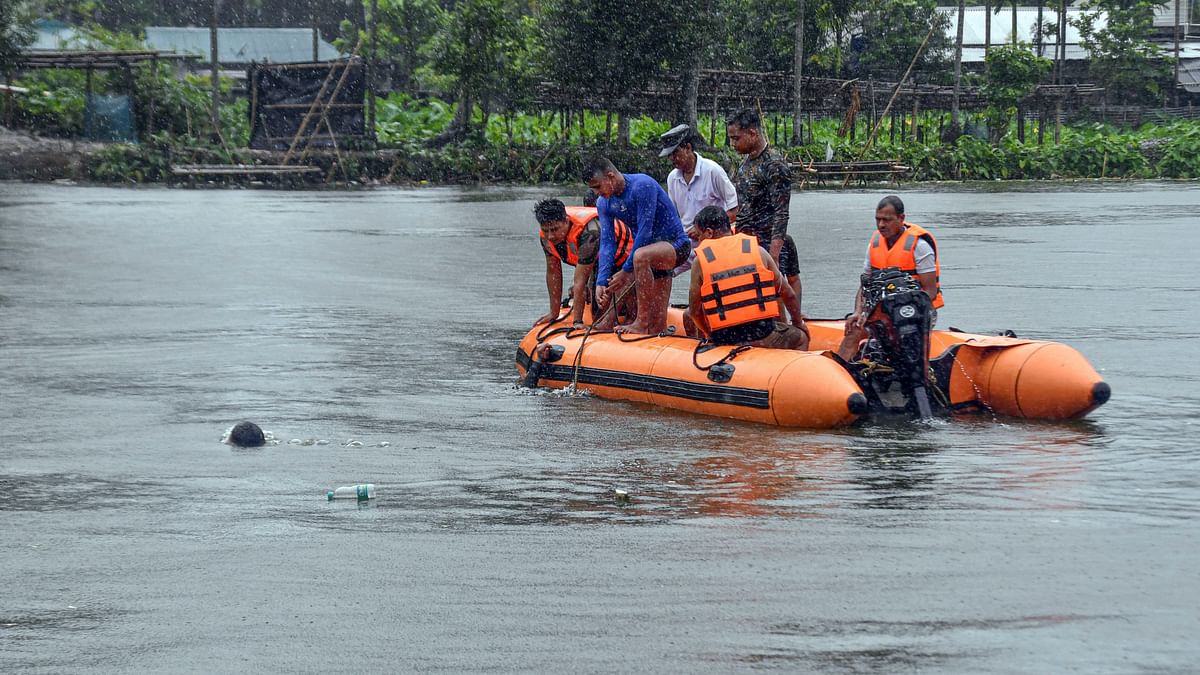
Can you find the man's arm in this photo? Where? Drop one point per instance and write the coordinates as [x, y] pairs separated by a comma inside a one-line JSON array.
[[554, 281], [695, 304], [928, 283], [579, 291], [926, 267], [779, 191], [608, 243], [726, 191], [589, 250]]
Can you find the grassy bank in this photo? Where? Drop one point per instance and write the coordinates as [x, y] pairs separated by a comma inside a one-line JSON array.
[[540, 148]]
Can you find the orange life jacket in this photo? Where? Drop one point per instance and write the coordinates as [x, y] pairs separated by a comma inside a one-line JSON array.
[[579, 217], [903, 255], [736, 288]]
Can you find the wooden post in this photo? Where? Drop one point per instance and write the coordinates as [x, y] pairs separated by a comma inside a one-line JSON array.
[[1038, 37], [915, 123], [8, 99], [712, 123], [1061, 50], [370, 74], [87, 99], [987, 28], [253, 97], [1041, 135], [316, 36], [215, 113], [871, 90], [797, 137], [154, 76], [1020, 124], [1057, 120], [1175, 32], [131, 88]]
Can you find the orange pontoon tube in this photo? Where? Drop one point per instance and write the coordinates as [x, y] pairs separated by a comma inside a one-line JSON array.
[[904, 367]]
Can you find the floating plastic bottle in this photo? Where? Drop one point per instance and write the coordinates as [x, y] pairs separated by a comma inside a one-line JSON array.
[[362, 492]]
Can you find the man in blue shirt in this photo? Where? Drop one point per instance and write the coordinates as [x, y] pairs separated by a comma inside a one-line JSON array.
[[659, 243]]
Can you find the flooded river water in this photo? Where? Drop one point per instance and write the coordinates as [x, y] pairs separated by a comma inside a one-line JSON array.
[[373, 333]]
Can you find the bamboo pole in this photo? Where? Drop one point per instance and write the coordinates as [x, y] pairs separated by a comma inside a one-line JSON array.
[[1175, 33], [333, 97], [886, 110], [317, 102], [370, 74], [215, 112], [316, 40]]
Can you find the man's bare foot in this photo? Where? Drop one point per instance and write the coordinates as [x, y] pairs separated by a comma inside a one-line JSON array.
[[635, 328], [605, 324]]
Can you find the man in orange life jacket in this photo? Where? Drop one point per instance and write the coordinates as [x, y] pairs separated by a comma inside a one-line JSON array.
[[736, 285], [571, 235], [896, 243]]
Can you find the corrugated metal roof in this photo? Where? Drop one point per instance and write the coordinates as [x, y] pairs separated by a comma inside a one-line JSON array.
[[1189, 75], [55, 35], [1164, 15], [975, 24], [242, 45]]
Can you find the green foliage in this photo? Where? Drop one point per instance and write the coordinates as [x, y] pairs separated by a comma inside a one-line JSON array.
[[760, 33], [894, 30], [404, 120], [482, 46], [16, 33], [401, 119], [181, 106], [152, 158], [55, 102], [1013, 72], [611, 48], [1123, 57], [403, 32]]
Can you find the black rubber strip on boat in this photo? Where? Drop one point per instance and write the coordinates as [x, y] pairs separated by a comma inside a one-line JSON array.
[[695, 391]]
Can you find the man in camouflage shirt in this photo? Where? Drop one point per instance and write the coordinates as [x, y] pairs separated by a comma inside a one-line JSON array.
[[764, 190]]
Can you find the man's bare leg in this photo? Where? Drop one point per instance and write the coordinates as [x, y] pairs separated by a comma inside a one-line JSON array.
[[661, 299], [653, 295]]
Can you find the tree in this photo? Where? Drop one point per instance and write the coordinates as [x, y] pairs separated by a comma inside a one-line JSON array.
[[1013, 72], [607, 50], [1132, 68], [894, 31], [404, 30], [16, 33], [479, 49], [696, 48], [824, 33], [958, 45], [761, 35], [798, 80]]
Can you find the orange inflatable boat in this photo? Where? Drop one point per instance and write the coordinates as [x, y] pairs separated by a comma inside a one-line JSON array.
[[899, 370]]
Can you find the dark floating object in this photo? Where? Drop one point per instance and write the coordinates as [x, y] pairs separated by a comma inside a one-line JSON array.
[[247, 435]]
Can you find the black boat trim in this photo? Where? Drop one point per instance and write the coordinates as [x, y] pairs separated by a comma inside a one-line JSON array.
[[695, 391]]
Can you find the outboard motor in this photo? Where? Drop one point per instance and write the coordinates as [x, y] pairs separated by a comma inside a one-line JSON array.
[[899, 317]]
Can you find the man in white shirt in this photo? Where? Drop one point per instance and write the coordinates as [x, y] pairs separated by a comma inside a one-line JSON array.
[[694, 183]]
